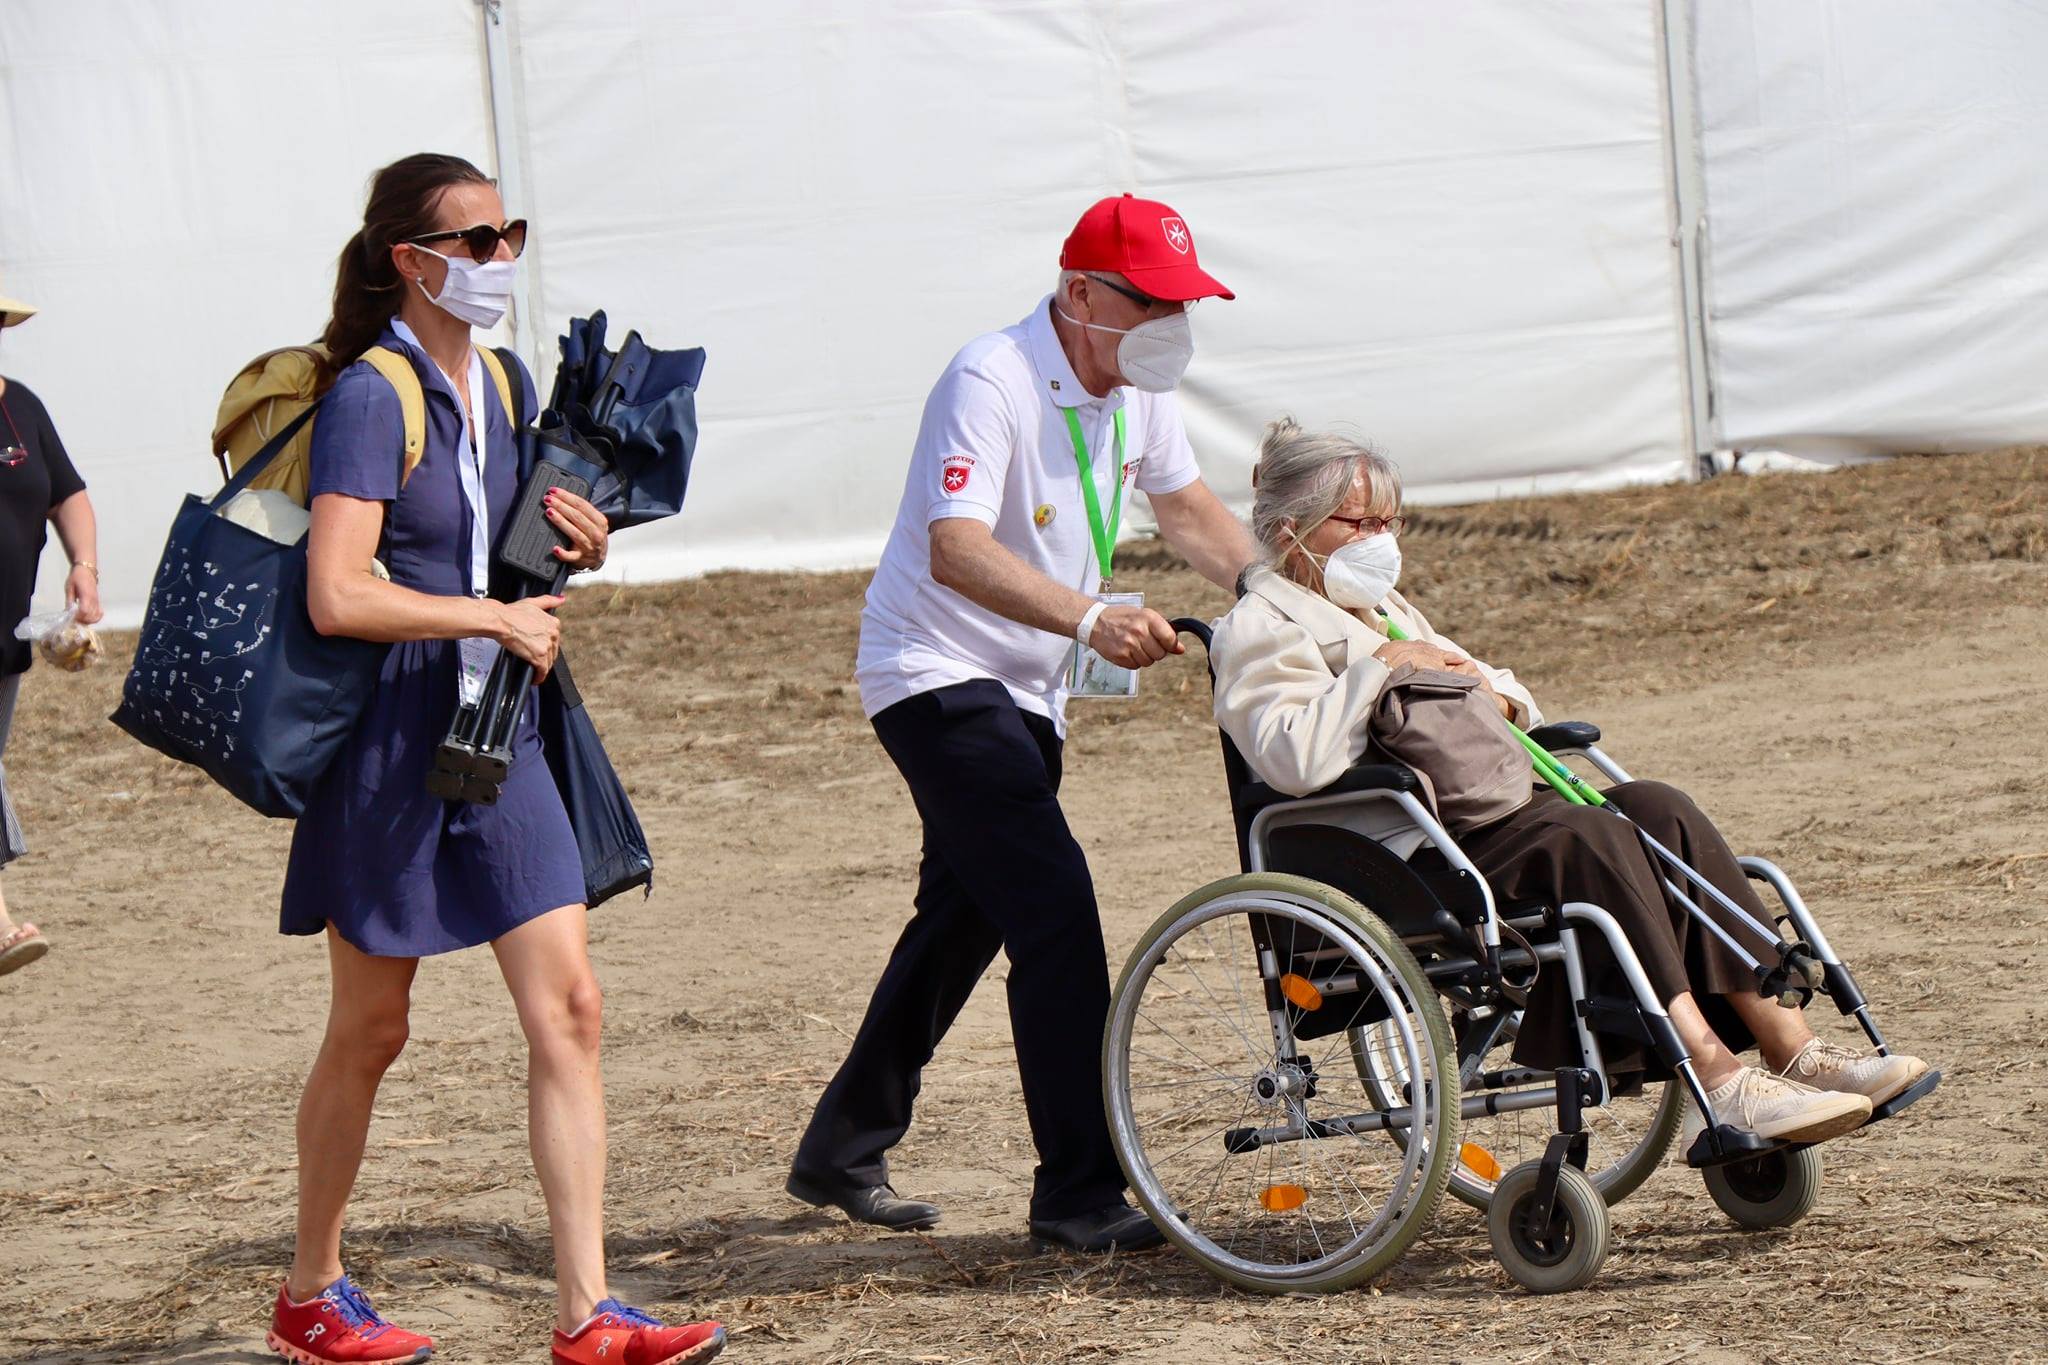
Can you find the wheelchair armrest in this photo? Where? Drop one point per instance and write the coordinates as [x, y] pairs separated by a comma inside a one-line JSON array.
[[1566, 734], [1365, 777]]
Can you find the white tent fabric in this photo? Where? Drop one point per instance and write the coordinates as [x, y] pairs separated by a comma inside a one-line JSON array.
[[1450, 227], [1878, 253], [1446, 227], [176, 181]]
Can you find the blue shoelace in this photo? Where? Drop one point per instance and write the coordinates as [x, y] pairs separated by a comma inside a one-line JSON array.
[[354, 1307], [632, 1317]]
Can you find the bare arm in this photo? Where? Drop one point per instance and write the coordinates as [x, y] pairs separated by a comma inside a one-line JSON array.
[[1195, 522], [78, 531], [967, 558], [344, 598]]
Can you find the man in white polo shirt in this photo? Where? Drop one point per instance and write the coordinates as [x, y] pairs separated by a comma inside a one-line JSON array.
[[995, 574]]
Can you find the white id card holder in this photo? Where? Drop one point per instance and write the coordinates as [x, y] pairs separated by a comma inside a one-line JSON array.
[[1092, 675], [478, 654]]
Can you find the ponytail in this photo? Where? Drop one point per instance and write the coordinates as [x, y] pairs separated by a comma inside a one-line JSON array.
[[367, 286]]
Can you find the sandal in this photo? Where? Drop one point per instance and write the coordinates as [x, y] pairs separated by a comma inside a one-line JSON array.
[[22, 947]]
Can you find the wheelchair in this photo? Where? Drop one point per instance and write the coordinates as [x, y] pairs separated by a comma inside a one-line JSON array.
[[1301, 1059]]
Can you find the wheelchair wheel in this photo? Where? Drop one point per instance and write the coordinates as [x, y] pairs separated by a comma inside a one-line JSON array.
[[1245, 1132], [1627, 1137], [1774, 1190], [1566, 1254]]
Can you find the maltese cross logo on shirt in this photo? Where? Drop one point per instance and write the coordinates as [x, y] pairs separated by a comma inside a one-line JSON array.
[[955, 477], [1176, 234]]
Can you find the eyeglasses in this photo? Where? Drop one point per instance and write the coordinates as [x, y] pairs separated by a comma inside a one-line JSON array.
[[1144, 301], [1371, 526], [10, 456], [482, 240]]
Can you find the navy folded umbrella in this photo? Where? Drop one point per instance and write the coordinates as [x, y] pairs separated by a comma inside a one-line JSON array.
[[626, 420], [609, 840], [635, 412]]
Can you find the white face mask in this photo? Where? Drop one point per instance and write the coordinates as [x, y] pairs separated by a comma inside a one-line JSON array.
[[478, 292], [1359, 574], [1154, 354]]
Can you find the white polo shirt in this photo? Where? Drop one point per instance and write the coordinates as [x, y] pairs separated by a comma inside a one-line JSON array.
[[994, 446]]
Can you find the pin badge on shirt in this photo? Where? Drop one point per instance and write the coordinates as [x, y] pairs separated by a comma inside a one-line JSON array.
[[1042, 518]]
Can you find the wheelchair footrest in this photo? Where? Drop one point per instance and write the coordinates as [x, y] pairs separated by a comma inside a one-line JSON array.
[[1736, 1145], [1918, 1090]]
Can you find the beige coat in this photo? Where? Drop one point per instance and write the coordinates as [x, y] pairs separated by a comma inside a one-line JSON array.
[[1296, 680]]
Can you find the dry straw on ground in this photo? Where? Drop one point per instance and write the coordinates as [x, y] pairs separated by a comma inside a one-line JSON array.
[[1846, 669]]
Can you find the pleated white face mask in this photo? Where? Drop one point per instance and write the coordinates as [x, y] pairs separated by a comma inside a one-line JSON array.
[[478, 292], [1359, 574]]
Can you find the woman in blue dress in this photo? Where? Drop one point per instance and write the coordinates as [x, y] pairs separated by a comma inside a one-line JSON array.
[[388, 872]]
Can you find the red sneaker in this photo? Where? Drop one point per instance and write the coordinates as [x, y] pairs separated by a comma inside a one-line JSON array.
[[340, 1328], [617, 1335]]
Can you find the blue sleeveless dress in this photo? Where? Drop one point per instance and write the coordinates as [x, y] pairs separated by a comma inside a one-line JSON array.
[[399, 872]]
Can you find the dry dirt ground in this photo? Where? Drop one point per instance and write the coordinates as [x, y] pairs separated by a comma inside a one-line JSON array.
[[1847, 669]]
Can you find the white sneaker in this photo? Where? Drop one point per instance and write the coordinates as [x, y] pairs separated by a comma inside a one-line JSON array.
[[1830, 1066], [1772, 1107]]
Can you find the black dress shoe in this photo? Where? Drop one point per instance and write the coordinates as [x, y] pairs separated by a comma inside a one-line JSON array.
[[1119, 1227], [875, 1204]]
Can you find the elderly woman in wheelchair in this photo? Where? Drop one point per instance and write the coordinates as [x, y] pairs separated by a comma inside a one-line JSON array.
[[1286, 1092]]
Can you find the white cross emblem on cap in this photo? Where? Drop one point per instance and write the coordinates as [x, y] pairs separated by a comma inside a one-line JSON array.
[[1176, 234]]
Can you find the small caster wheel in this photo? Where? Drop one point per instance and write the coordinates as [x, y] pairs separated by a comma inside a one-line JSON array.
[[1774, 1190], [1565, 1255]]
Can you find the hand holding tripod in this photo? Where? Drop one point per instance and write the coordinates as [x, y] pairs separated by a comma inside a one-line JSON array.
[[571, 450]]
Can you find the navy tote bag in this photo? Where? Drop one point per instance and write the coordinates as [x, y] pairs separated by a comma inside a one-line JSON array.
[[229, 674]]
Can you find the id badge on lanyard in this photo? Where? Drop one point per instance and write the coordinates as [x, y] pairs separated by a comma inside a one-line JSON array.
[[477, 653], [1089, 674]]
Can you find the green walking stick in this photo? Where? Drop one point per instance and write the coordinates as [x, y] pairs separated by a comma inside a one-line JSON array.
[[1795, 959]]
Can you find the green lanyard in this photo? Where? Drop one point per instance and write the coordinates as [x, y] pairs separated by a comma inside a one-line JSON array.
[[1105, 536]]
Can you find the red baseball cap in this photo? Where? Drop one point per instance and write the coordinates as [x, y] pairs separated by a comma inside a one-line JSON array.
[[1147, 243]]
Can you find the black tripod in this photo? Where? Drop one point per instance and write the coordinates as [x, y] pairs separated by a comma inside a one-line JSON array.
[[575, 445]]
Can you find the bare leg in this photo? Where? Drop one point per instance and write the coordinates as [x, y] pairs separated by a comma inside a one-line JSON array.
[[6, 923], [546, 963], [366, 1030], [1710, 1056], [1780, 1032]]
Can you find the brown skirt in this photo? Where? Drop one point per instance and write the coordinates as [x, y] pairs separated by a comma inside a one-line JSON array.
[[1553, 851]]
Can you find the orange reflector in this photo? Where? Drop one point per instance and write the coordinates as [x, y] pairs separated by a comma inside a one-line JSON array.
[[1479, 1161], [1281, 1198], [1302, 992]]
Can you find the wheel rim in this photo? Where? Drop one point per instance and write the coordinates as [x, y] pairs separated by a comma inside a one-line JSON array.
[[1619, 1133], [1555, 1247], [1759, 1180], [1191, 1022]]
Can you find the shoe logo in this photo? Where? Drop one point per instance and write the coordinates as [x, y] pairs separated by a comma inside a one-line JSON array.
[[314, 1332], [604, 1346]]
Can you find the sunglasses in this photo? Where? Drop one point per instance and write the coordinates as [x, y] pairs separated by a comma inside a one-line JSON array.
[[482, 240], [1145, 301]]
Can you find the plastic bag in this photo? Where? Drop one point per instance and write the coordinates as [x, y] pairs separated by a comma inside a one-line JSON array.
[[59, 638]]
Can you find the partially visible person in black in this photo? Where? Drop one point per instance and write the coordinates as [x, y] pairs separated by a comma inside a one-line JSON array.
[[38, 489]]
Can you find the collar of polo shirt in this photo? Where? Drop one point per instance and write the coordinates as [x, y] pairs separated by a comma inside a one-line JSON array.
[[1055, 371]]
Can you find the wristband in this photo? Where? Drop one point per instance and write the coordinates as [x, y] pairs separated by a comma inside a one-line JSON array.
[[1088, 620]]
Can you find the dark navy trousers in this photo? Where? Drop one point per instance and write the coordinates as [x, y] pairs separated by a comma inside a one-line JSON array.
[[1000, 870]]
